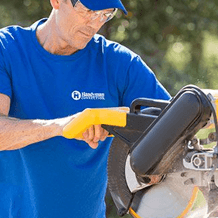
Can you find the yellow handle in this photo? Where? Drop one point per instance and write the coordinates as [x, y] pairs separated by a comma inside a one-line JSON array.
[[89, 117]]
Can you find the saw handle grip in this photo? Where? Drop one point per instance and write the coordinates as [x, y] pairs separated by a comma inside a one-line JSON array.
[[138, 103], [88, 117]]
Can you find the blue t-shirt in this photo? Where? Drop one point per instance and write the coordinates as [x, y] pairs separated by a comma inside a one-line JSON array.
[[62, 178]]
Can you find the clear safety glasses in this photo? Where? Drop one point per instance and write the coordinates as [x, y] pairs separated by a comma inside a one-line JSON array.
[[83, 11]]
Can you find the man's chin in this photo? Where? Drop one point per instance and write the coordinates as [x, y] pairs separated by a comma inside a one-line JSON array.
[[79, 45], [83, 44]]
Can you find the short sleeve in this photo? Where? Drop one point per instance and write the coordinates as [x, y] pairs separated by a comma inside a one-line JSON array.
[[5, 79], [141, 82]]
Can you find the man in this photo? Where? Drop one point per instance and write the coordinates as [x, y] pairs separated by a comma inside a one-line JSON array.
[[48, 72]]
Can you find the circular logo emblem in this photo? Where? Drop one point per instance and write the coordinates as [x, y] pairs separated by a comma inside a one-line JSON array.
[[76, 95]]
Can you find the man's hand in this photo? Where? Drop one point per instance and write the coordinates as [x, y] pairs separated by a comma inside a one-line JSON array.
[[94, 134], [18, 133], [91, 136], [86, 125]]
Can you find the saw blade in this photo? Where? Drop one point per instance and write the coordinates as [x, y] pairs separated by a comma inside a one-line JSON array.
[[172, 198], [118, 188]]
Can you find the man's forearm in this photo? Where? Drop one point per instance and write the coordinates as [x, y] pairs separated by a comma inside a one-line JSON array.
[[16, 133]]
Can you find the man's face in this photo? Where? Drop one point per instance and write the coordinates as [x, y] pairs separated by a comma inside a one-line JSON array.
[[75, 28]]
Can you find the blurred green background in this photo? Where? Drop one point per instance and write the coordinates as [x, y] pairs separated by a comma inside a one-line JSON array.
[[177, 39]]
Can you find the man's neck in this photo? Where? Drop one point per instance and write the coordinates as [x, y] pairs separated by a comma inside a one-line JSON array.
[[50, 41]]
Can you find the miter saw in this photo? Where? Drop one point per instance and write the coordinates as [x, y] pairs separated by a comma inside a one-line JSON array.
[[157, 165]]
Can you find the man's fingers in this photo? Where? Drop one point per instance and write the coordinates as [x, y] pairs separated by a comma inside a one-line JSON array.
[[86, 135], [98, 133], [104, 135], [94, 134], [91, 131], [93, 145]]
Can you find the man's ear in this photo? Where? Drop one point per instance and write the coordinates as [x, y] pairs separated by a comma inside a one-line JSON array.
[[55, 4]]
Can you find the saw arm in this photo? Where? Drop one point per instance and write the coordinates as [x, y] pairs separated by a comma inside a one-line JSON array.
[[155, 155]]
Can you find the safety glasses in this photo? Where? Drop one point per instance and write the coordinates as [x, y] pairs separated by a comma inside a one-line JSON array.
[[84, 12]]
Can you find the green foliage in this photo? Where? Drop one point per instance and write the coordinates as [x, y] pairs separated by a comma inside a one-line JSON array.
[[23, 12], [172, 37]]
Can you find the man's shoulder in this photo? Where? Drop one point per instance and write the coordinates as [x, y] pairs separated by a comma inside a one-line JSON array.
[[13, 37], [113, 47], [12, 30], [12, 33]]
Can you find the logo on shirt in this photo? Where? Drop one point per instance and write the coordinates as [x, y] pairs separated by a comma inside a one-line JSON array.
[[76, 95]]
